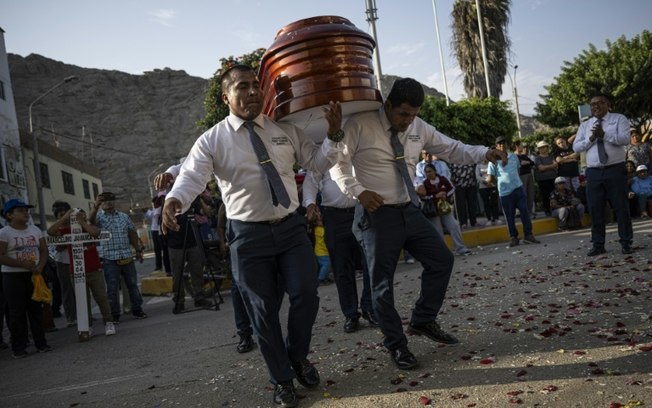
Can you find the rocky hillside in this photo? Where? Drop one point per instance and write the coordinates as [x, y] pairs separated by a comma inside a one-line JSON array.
[[135, 122]]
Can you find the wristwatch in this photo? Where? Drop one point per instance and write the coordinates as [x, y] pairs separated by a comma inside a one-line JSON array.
[[337, 136]]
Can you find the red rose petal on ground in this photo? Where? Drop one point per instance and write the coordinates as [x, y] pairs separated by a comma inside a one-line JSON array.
[[488, 360], [515, 393], [414, 383], [579, 352], [616, 405], [459, 396], [396, 381], [645, 348], [550, 388], [521, 373], [401, 390], [425, 375], [515, 401], [423, 400]]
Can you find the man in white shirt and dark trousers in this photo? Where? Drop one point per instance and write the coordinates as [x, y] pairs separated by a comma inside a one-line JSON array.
[[343, 248], [604, 137], [252, 158], [383, 147]]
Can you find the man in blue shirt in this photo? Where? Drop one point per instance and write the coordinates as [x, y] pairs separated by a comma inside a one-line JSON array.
[[511, 192]]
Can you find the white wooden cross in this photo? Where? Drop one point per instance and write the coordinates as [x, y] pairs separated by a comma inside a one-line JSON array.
[[77, 238]]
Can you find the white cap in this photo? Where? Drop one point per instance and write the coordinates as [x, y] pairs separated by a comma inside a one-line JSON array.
[[560, 180], [642, 167]]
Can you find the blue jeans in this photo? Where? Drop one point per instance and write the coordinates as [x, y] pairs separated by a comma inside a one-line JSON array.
[[324, 264], [609, 183], [263, 257], [345, 254], [516, 199], [382, 235], [112, 273]]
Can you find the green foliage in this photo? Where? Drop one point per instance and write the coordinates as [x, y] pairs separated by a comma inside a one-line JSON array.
[[623, 71], [216, 110], [472, 121]]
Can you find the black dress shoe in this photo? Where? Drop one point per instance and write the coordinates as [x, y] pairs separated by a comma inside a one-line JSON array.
[[369, 316], [351, 324], [246, 344], [627, 249], [307, 374], [403, 358], [596, 250], [433, 332], [285, 394]]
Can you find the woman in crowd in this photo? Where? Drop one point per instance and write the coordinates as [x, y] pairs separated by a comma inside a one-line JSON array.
[[545, 172]]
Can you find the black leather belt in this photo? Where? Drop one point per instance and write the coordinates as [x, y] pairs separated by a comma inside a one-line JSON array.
[[399, 205], [347, 210], [279, 220], [608, 167]]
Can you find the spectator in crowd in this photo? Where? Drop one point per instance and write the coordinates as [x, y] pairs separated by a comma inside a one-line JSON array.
[[566, 207], [440, 189], [466, 193], [428, 158], [603, 138], [568, 163], [637, 151], [525, 173], [489, 194], [505, 175], [641, 189], [185, 255], [634, 210], [252, 157], [153, 215], [23, 253], [95, 283], [117, 258], [321, 252], [545, 172], [62, 258]]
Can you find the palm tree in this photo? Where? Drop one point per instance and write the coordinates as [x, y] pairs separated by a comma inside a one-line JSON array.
[[466, 42]]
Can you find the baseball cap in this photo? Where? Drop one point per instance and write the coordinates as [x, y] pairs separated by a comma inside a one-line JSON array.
[[641, 167], [560, 180], [15, 203], [500, 139]]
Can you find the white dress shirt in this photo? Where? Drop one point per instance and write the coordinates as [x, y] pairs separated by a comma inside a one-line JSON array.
[[616, 137], [368, 149], [225, 151], [331, 195]]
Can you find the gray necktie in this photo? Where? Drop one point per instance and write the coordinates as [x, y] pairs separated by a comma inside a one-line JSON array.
[[602, 153], [279, 193], [399, 156]]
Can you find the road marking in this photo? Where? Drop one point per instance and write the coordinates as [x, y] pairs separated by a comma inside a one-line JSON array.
[[77, 386]]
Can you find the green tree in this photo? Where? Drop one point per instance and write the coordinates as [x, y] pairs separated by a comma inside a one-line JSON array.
[[216, 110], [468, 50], [472, 121], [623, 71]]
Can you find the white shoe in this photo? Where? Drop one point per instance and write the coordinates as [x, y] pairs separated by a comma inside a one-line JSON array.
[[498, 222], [109, 329], [410, 261]]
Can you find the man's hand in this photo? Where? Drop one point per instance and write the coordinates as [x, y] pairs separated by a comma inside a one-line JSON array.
[[312, 213], [493, 155], [162, 180], [333, 115], [171, 209], [597, 132], [370, 200]]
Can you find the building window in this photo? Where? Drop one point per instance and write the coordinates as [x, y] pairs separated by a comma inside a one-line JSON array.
[[87, 189], [2, 91], [45, 175], [68, 185], [96, 191]]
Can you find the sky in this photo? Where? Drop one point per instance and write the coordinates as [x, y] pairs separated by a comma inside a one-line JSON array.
[[192, 35]]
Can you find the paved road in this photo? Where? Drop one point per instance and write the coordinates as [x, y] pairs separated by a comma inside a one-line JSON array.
[[540, 325]]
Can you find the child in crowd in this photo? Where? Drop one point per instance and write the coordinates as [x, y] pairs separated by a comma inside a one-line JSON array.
[[23, 253], [94, 277], [321, 252]]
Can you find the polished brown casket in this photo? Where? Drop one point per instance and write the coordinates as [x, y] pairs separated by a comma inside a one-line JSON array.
[[312, 62]]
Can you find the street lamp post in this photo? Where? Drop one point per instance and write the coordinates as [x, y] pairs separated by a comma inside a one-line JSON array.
[[515, 93], [37, 161]]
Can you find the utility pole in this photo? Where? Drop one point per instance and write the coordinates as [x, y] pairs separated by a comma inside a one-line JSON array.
[[371, 19]]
